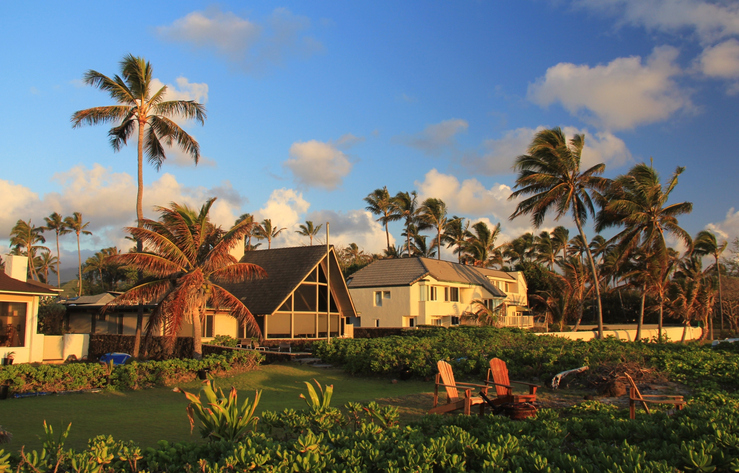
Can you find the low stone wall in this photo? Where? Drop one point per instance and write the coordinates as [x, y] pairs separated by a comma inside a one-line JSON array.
[[674, 334]]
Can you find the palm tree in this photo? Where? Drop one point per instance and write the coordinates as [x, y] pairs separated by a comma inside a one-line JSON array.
[[638, 202], [406, 206], [456, 233], [421, 248], [550, 174], [309, 230], [545, 250], [265, 231], [250, 232], [44, 263], [705, 244], [24, 237], [188, 261], [481, 244], [519, 250], [560, 238], [380, 203], [55, 222], [482, 315], [691, 294], [75, 224], [433, 213], [141, 109]]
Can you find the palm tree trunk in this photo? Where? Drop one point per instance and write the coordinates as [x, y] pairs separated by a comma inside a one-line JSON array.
[[79, 265], [387, 235], [58, 275], [596, 284], [139, 243], [685, 331], [720, 298], [197, 334], [661, 313], [640, 322]]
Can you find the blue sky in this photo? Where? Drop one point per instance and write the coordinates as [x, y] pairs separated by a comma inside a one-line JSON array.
[[313, 105]]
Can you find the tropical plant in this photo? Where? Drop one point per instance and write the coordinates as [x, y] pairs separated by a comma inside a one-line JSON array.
[[266, 231], [705, 244], [318, 400], [482, 314], [249, 218], [221, 417], [480, 245], [560, 238], [419, 247], [433, 213], [309, 230], [25, 238], [550, 175], [188, 260], [380, 203], [545, 250], [44, 263], [519, 251], [456, 232], [76, 225], [638, 202], [406, 206], [691, 294], [55, 222]]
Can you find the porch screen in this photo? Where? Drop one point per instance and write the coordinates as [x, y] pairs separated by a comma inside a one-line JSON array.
[[13, 324], [305, 325], [278, 325]]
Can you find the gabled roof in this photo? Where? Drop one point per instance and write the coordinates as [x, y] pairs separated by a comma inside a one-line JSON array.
[[407, 271], [286, 268], [14, 286], [94, 300]]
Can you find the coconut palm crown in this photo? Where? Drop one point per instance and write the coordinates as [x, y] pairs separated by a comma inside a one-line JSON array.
[[186, 260]]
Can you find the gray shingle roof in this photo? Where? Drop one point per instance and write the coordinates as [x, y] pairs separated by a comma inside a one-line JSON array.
[[8, 284], [406, 271], [286, 269]]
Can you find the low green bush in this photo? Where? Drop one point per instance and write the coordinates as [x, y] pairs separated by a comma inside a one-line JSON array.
[[27, 378]]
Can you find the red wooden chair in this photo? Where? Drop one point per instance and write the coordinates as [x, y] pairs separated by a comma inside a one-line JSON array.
[[455, 401], [498, 377], [635, 396]]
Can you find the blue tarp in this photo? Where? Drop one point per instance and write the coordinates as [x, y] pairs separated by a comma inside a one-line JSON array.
[[116, 358]]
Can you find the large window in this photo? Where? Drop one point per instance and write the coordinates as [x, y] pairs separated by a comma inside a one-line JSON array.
[[379, 296], [451, 294], [13, 324], [208, 326], [432, 293]]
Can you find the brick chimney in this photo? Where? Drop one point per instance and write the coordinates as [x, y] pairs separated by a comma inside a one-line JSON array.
[[16, 267]]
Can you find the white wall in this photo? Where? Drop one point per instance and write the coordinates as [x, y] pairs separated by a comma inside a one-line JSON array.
[[674, 334]]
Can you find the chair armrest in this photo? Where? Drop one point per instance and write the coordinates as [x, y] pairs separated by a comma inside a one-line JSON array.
[[527, 384], [472, 385], [499, 384]]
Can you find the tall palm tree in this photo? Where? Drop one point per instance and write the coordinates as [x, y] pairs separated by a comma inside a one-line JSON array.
[[705, 244], [252, 228], [142, 110], [481, 244], [44, 263], [421, 248], [24, 237], [433, 213], [380, 203], [545, 250], [550, 175], [188, 261], [560, 239], [638, 202], [266, 231], [76, 225], [406, 207], [519, 250], [456, 233], [309, 230], [55, 222]]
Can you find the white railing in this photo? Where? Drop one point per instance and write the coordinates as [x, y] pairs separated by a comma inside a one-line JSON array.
[[520, 321]]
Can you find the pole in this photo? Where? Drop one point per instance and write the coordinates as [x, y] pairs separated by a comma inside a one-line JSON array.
[[328, 288]]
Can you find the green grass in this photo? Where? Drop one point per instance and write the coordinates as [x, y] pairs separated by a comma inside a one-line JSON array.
[[150, 415]]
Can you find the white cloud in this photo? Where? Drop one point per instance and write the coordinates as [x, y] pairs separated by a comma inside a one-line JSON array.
[[437, 137], [710, 20], [722, 62], [184, 90], [285, 208], [354, 226], [728, 229], [242, 41], [619, 95], [317, 164], [500, 155]]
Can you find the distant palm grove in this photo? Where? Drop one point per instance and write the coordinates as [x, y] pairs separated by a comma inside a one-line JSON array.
[[633, 276]]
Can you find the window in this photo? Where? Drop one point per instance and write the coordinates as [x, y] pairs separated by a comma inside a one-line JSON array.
[[378, 298], [451, 294], [432, 293], [377, 322], [208, 326], [455, 320], [13, 324], [436, 321], [412, 322]]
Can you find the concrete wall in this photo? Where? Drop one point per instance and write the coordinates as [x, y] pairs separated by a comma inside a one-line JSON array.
[[674, 334]]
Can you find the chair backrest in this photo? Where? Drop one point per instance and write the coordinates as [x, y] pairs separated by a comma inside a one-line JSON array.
[[635, 394], [500, 375], [447, 379]]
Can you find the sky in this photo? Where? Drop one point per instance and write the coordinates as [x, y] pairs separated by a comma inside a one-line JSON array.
[[313, 105]]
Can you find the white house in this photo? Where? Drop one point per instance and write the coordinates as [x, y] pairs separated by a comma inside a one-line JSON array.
[[19, 303], [406, 292]]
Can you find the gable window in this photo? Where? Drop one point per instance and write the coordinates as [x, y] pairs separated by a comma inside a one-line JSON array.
[[451, 294]]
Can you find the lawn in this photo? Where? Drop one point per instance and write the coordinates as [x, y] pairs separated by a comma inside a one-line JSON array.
[[150, 415]]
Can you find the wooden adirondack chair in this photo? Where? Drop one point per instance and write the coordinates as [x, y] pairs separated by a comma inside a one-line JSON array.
[[635, 396], [498, 377], [454, 401]]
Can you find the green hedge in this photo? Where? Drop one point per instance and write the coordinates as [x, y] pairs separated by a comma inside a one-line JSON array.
[[24, 378]]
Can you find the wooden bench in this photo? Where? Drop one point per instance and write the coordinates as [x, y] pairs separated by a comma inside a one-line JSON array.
[[635, 396]]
